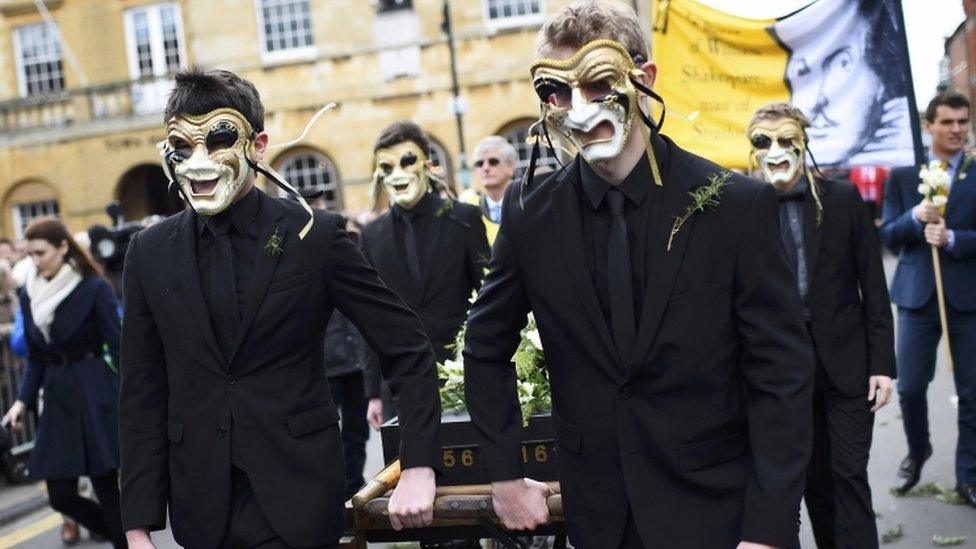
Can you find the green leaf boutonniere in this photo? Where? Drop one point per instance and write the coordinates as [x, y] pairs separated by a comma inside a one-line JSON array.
[[702, 198], [446, 207], [273, 246]]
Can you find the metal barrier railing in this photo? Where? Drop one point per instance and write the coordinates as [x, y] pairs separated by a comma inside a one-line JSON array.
[[22, 442]]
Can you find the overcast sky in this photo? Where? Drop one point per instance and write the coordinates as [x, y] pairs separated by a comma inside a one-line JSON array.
[[928, 23]]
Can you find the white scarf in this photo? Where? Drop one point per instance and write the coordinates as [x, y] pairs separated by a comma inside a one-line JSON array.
[[45, 295]]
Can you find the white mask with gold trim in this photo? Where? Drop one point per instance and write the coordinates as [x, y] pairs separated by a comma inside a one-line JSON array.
[[402, 170], [208, 157], [590, 88], [778, 151]]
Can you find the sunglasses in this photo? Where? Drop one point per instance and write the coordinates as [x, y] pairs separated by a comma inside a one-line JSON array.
[[491, 162]]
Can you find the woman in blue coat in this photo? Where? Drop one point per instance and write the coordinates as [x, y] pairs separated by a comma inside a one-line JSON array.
[[70, 319]]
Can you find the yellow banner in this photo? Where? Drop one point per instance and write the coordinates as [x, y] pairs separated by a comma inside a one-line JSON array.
[[732, 64]]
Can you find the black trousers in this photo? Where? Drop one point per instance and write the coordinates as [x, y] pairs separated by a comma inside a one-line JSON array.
[[103, 518], [837, 492], [247, 528], [349, 394]]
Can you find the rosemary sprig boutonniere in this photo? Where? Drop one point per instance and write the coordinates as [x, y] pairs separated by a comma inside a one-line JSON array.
[[702, 198], [273, 246], [446, 207]]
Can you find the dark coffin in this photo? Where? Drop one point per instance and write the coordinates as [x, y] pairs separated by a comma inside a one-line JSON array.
[[460, 459]]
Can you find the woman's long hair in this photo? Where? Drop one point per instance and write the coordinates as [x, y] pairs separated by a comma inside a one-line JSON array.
[[54, 232]]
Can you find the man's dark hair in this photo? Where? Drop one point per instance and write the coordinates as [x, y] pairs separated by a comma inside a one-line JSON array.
[[953, 100], [200, 91], [7, 241], [400, 131]]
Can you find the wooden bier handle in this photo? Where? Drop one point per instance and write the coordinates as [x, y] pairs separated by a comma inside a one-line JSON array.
[[460, 507], [479, 489], [380, 484]]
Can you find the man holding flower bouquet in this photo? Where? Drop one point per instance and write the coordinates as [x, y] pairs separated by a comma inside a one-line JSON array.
[[935, 208]]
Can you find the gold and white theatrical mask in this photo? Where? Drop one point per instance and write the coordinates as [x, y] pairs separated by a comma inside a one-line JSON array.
[[591, 88], [779, 150], [402, 170], [208, 155]]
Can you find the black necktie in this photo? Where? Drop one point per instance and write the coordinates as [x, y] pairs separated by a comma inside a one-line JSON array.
[[410, 243], [619, 277], [223, 287]]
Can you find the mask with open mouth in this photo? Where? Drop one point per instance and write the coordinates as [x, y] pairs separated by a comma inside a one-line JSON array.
[[402, 170], [592, 88], [779, 151], [207, 155]]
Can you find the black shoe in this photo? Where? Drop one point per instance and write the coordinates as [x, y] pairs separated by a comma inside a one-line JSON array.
[[968, 493], [910, 471]]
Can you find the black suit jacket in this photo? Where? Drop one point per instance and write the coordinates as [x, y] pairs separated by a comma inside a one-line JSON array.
[[705, 432], [181, 402], [455, 256], [850, 313]]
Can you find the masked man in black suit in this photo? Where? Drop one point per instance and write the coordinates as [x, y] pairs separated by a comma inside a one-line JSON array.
[[832, 246], [430, 249], [680, 368], [225, 410]]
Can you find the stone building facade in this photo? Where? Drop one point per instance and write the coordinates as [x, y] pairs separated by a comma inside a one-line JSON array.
[[79, 117]]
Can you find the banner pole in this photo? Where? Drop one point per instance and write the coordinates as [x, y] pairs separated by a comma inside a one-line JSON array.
[[912, 103]]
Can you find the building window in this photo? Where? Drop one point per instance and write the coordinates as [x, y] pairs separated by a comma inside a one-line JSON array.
[[309, 171], [516, 136], [285, 28], [396, 32], [513, 13], [25, 213], [37, 50], [154, 40], [384, 6]]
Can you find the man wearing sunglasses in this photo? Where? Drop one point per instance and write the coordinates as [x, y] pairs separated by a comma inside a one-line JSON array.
[[494, 164]]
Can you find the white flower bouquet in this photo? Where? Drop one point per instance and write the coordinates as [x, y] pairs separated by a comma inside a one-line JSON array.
[[530, 368], [935, 184]]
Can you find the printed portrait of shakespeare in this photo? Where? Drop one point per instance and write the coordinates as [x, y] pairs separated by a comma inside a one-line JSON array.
[[846, 72]]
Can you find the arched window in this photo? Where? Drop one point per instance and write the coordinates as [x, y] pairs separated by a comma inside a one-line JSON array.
[[26, 202], [311, 170], [516, 133]]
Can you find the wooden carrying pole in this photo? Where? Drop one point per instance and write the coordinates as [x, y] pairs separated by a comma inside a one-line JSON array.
[[458, 507], [383, 482], [940, 295]]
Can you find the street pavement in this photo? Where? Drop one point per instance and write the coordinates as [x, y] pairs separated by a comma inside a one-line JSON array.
[[918, 518]]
